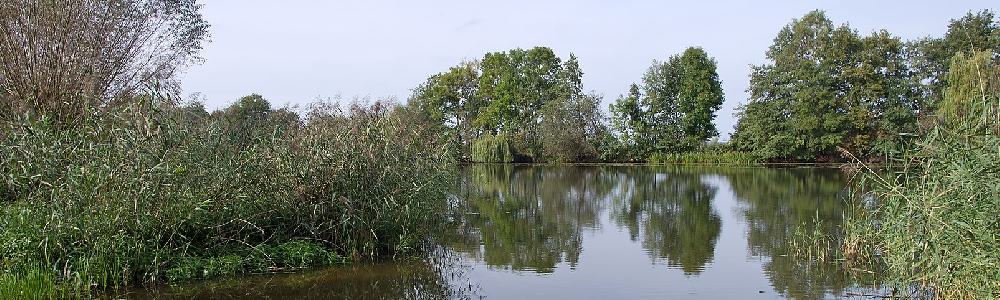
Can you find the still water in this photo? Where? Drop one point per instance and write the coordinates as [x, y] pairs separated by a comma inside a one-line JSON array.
[[599, 232]]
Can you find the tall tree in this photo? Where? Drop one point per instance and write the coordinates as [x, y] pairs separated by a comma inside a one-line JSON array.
[[628, 120], [826, 87], [700, 96], [515, 86], [451, 100], [572, 125], [970, 100], [62, 58], [675, 110]]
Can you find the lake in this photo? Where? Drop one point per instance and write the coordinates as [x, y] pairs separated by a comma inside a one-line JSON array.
[[597, 232]]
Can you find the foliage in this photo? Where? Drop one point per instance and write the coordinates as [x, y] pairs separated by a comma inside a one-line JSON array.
[[706, 157], [936, 217], [932, 56], [675, 110], [827, 87], [155, 191], [970, 98], [66, 59], [493, 148], [529, 95], [570, 128], [452, 101]]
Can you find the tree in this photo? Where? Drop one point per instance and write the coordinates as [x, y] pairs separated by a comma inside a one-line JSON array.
[[628, 120], [451, 100], [251, 121], [700, 96], [516, 85], [932, 56], [826, 87], [970, 103], [675, 110], [62, 58], [572, 124], [524, 105]]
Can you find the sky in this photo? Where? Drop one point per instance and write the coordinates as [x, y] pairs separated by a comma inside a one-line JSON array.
[[294, 52]]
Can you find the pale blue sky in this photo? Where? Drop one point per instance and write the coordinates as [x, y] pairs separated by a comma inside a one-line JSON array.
[[295, 51]]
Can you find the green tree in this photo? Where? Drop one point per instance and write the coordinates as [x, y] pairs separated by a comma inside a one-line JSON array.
[[572, 124], [451, 100], [514, 86], [628, 120], [700, 96], [931, 59], [675, 110], [251, 121], [826, 88], [69, 59], [970, 103]]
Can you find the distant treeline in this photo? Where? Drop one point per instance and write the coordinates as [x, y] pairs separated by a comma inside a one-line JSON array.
[[827, 93]]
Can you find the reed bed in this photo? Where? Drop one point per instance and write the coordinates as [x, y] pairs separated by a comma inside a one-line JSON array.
[[154, 192]]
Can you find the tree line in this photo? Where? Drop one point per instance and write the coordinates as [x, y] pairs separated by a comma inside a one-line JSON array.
[[826, 93]]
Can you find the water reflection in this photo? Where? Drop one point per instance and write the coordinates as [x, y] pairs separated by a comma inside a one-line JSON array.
[[671, 210], [529, 218], [773, 202], [442, 275], [532, 218]]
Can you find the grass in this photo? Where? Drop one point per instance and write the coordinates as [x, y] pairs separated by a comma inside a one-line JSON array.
[[154, 192], [707, 157]]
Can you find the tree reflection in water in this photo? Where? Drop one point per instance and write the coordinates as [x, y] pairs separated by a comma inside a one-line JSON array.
[[532, 218], [776, 201], [529, 218], [671, 209]]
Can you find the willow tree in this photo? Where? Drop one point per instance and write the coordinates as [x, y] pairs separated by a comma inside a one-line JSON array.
[[970, 100], [67, 58], [932, 56]]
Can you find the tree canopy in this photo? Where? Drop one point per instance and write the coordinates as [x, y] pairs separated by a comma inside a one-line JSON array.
[[826, 87], [526, 102], [673, 109]]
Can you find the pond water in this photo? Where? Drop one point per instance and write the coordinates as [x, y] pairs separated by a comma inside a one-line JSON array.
[[597, 232]]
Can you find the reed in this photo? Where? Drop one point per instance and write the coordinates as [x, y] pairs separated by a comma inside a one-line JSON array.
[[146, 193], [933, 223], [707, 157]]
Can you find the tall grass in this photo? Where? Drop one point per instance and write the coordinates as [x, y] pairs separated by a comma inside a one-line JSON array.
[[706, 157], [933, 224], [149, 192]]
